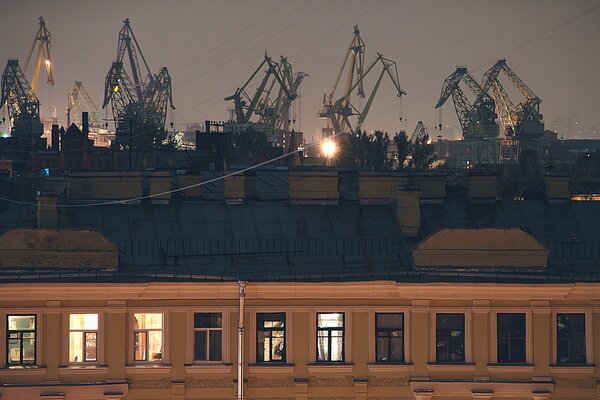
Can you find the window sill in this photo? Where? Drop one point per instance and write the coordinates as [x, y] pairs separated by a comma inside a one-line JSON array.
[[271, 368], [510, 368], [23, 370], [330, 367], [389, 367], [455, 367], [82, 369], [147, 369], [210, 368], [572, 368]]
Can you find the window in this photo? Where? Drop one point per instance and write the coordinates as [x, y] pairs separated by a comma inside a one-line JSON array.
[[21, 348], [330, 337], [571, 339], [148, 337], [270, 337], [83, 338], [450, 337], [208, 337], [389, 330], [511, 338]]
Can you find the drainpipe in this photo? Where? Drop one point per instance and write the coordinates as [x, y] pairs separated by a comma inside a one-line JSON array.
[[240, 343]]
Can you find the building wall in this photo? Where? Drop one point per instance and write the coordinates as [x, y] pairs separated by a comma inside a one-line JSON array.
[[115, 375]]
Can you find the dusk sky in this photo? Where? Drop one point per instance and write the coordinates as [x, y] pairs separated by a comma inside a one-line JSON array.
[[211, 47]]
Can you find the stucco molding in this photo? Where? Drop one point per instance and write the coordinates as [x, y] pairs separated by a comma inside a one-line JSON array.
[[499, 389], [224, 369], [314, 368]]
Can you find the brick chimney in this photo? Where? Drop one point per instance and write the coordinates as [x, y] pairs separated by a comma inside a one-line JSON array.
[[408, 210], [314, 186], [240, 187], [47, 213], [557, 187], [483, 187], [55, 137]]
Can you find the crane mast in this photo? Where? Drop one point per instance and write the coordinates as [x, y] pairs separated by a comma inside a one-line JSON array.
[[22, 103], [43, 42], [78, 101], [340, 110], [139, 100], [477, 119], [523, 119]]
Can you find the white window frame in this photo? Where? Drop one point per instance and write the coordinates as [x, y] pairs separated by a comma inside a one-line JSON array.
[[468, 332], [100, 360], [39, 355], [347, 332], [589, 337], [373, 334], [225, 336], [165, 336], [493, 355], [289, 330]]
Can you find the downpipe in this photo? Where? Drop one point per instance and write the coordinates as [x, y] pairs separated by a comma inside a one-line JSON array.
[[240, 341]]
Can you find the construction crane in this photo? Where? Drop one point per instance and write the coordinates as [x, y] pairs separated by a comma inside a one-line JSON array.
[[78, 101], [477, 120], [42, 42], [272, 110], [419, 133], [521, 120], [22, 103], [339, 109], [139, 101]]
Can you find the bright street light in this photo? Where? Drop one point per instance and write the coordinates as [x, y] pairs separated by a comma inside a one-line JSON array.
[[328, 148]]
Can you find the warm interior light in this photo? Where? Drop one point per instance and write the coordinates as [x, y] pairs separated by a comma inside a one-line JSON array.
[[328, 148]]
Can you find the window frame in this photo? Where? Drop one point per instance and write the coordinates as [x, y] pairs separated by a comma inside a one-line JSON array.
[[165, 336], [225, 337], [99, 336], [317, 329], [373, 334], [433, 334], [493, 353], [7, 339], [270, 330], [589, 345], [207, 341], [389, 338]]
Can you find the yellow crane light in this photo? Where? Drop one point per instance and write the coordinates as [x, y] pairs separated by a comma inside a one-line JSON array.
[[116, 89]]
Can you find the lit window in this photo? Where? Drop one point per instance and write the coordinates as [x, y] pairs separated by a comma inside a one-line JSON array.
[[83, 337], [270, 337], [148, 337], [389, 328], [21, 339], [571, 339], [330, 337], [450, 338], [208, 337], [511, 338]]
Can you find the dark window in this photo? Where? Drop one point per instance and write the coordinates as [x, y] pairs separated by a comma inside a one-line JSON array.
[[389, 330], [450, 337], [270, 337], [571, 339], [208, 337], [511, 338], [20, 343], [330, 337]]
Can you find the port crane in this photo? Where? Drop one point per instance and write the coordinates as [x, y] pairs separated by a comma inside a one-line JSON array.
[[22, 103], [271, 101], [139, 100], [523, 119], [477, 119], [339, 109], [78, 101]]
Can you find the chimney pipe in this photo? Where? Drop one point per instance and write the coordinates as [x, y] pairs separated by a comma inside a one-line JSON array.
[[47, 213], [55, 138], [85, 128]]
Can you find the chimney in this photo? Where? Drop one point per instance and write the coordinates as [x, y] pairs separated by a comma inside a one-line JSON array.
[[557, 187], [54, 138], [240, 187], [61, 134], [408, 210], [483, 187], [47, 213], [85, 127], [314, 186], [207, 126], [432, 186]]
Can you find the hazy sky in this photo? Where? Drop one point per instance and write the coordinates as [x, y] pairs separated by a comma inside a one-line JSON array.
[[211, 47]]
